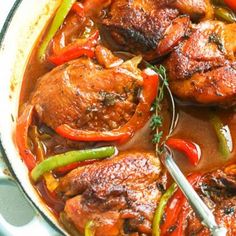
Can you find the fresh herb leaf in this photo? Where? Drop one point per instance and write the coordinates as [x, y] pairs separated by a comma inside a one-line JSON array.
[[157, 119], [161, 71], [156, 122], [108, 99], [157, 137], [215, 38]]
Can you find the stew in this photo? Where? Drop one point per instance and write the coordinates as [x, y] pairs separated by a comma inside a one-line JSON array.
[[92, 110]]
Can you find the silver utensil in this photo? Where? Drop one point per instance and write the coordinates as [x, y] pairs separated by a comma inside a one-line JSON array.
[[200, 208]]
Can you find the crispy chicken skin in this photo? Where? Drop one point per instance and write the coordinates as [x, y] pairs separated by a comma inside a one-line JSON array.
[[151, 27], [218, 190], [203, 68], [195, 8], [85, 95], [119, 194], [139, 26]]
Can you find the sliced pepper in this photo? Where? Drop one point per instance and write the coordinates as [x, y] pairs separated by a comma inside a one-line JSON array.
[[160, 209], [93, 7], [222, 134], [65, 169], [230, 170], [38, 148], [190, 149], [231, 4], [22, 128], [60, 16], [50, 180], [138, 120], [67, 158], [81, 47], [175, 210], [179, 230], [67, 33], [78, 8], [89, 229], [55, 203], [225, 14]]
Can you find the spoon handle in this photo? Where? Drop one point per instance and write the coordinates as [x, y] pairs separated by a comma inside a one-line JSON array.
[[195, 201]]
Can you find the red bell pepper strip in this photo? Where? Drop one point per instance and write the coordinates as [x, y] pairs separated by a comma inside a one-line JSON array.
[[176, 211], [68, 30], [190, 149], [83, 135], [93, 7], [157, 218], [231, 4], [179, 231], [55, 203], [138, 120], [78, 8], [75, 50], [22, 127], [65, 169]]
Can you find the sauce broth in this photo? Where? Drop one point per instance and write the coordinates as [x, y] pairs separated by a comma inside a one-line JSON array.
[[193, 124]]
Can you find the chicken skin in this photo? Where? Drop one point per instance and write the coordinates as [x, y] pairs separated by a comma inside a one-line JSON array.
[[140, 26], [197, 9], [119, 194], [203, 68], [87, 96], [218, 190], [151, 27]]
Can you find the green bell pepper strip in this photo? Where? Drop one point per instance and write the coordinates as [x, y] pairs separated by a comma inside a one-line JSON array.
[[89, 229], [60, 16], [218, 127], [160, 209], [225, 14], [64, 159]]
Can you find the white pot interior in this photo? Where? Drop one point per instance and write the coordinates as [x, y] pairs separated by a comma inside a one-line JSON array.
[[27, 23]]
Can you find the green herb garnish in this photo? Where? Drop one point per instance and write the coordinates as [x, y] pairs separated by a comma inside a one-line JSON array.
[[215, 38], [157, 137], [157, 120]]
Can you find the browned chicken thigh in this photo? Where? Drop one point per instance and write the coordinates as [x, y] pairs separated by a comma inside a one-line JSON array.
[[218, 190], [85, 95], [140, 26], [195, 8], [119, 194], [203, 68], [151, 27], [90, 129]]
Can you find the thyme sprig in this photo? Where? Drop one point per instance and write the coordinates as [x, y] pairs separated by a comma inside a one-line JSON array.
[[157, 137], [157, 119]]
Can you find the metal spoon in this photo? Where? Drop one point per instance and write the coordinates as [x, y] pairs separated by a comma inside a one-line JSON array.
[[200, 208]]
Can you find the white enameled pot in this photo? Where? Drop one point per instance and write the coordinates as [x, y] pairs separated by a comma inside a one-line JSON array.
[[24, 24]]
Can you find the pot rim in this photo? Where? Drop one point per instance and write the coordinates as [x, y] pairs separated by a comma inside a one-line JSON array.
[[39, 209]]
